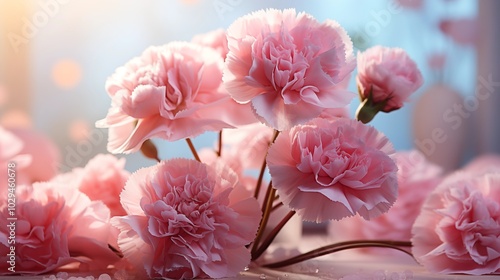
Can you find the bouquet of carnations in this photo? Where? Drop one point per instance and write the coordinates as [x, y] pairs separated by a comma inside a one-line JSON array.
[[274, 86]]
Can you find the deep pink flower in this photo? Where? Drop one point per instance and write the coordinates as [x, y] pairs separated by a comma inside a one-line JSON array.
[[333, 169], [187, 219], [102, 179], [287, 65], [56, 226], [417, 177], [459, 227], [171, 92], [387, 77]]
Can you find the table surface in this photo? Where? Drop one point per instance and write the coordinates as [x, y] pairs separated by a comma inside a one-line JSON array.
[[348, 265]]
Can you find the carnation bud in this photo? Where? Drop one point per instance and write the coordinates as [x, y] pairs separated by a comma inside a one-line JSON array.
[[149, 150]]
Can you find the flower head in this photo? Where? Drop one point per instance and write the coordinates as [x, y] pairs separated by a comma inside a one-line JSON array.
[[458, 228], [102, 179], [417, 177], [333, 169], [171, 92], [287, 65], [187, 219], [56, 226], [386, 78]]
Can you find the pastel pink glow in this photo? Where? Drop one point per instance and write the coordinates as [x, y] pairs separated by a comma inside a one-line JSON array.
[[215, 39], [389, 74], [417, 177], [334, 169], [463, 31], [170, 92], [45, 156], [56, 226], [102, 179], [187, 219], [458, 228], [287, 65]]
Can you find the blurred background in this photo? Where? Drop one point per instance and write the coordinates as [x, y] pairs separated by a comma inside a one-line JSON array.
[[55, 56]]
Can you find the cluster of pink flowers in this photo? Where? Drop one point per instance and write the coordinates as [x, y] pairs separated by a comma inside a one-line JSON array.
[[274, 86]]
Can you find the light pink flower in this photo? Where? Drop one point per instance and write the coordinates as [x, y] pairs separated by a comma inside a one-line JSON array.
[[187, 219], [249, 143], [171, 92], [388, 76], [56, 226], [102, 179], [417, 177], [215, 39], [459, 227], [287, 65], [333, 169], [483, 164], [45, 156]]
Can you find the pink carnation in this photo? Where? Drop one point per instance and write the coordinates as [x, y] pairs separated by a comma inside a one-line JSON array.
[[333, 169], [56, 226], [215, 39], [387, 76], [287, 65], [103, 178], [171, 92], [249, 143], [417, 177], [11, 147], [483, 164], [45, 156], [187, 219], [459, 227]]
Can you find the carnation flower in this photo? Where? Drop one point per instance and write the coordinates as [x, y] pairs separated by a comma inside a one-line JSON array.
[[459, 226], [215, 39], [483, 164], [171, 92], [11, 147], [287, 65], [386, 78], [187, 219], [333, 169], [102, 179], [417, 177], [45, 156], [56, 226]]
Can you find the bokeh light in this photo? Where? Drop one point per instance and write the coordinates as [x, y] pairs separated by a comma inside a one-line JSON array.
[[67, 73]]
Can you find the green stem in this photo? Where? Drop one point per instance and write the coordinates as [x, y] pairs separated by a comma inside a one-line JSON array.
[[269, 239], [265, 217], [337, 247], [193, 150]]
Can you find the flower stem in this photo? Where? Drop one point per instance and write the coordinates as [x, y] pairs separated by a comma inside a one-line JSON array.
[[219, 150], [263, 169], [337, 247], [269, 239], [193, 150], [268, 203]]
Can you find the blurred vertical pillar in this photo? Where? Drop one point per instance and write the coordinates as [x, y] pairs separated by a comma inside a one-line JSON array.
[[488, 70], [15, 75]]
